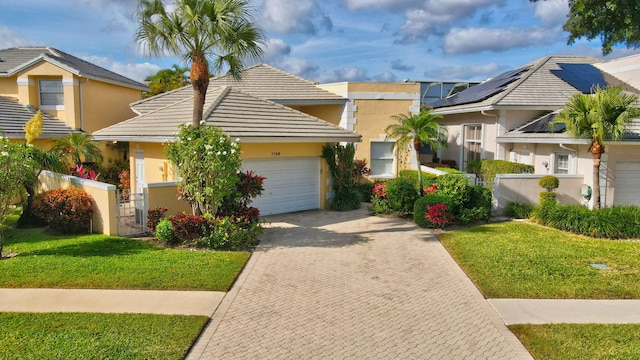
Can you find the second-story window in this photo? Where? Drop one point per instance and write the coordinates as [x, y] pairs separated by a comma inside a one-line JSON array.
[[51, 94]]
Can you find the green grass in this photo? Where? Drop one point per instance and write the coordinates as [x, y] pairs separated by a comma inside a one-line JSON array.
[[108, 262], [520, 260], [97, 336], [580, 341]]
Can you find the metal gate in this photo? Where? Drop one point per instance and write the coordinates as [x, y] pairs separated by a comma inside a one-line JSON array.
[[132, 214]]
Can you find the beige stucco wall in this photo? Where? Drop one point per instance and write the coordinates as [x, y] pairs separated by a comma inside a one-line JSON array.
[[103, 198], [164, 194], [328, 113], [106, 104], [369, 110], [524, 189], [155, 162]]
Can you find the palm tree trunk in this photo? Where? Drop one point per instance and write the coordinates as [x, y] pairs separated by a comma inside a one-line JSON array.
[[200, 82], [597, 150]]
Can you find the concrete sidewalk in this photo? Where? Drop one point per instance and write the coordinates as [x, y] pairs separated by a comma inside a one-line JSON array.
[[550, 311], [110, 301]]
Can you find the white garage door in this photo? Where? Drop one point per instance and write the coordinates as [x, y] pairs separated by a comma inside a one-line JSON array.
[[627, 183], [292, 184]]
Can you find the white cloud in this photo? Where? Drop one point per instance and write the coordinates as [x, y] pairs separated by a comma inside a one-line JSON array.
[[275, 50], [386, 76], [384, 4], [303, 68], [399, 65], [435, 16], [552, 12], [346, 74], [9, 38], [299, 16], [471, 72], [135, 71], [475, 40]]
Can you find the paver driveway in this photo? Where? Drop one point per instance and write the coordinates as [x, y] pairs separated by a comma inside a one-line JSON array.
[[345, 285]]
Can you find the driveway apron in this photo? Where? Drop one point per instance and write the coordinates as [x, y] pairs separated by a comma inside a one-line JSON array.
[[345, 285]]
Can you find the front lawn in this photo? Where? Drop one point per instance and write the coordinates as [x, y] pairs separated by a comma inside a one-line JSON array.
[[520, 260], [97, 336], [580, 341], [109, 262]]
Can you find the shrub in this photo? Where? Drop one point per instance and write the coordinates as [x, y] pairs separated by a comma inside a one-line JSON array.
[[153, 218], [360, 170], [66, 211], [547, 197], [187, 228], [489, 168], [518, 211], [549, 182], [455, 186], [427, 178], [164, 232], [618, 222], [420, 207], [365, 188], [345, 200], [237, 203], [450, 170], [438, 215], [401, 195], [229, 233]]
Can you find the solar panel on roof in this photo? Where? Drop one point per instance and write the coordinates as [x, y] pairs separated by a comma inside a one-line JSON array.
[[543, 124], [583, 77], [483, 90]]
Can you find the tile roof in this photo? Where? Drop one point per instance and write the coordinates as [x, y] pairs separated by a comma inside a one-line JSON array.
[[536, 87], [237, 113], [13, 117], [13, 60], [262, 81], [539, 130]]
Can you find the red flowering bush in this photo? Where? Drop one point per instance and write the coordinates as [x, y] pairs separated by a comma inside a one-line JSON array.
[[65, 210], [438, 215], [431, 189], [380, 190], [187, 228]]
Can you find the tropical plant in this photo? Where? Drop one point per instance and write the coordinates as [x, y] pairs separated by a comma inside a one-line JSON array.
[[200, 30], [419, 129], [166, 80], [340, 159], [16, 168], [600, 116], [209, 163], [79, 147]]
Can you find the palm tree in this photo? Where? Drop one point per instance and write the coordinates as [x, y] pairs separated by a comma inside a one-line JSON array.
[[600, 116], [420, 129], [166, 80], [80, 147], [197, 30]]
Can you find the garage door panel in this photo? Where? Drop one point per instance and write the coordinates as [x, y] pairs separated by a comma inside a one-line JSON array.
[[292, 184], [627, 183]]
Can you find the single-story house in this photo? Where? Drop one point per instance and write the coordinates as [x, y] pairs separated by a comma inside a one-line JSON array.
[[278, 142], [506, 118]]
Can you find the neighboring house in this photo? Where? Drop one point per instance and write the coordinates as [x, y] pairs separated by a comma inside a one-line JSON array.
[[370, 109], [507, 118], [278, 142], [73, 94]]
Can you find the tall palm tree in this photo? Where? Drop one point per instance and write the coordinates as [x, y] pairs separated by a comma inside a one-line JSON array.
[[419, 129], [222, 30], [600, 116], [79, 147]]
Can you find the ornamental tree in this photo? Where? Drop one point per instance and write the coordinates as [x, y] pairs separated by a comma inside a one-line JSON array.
[[16, 169], [208, 162]]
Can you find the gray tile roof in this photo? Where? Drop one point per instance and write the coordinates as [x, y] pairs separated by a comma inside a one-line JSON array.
[[237, 113], [13, 117], [13, 60], [539, 130], [537, 87], [262, 81]]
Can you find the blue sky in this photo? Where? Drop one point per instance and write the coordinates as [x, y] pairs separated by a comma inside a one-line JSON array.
[[326, 40]]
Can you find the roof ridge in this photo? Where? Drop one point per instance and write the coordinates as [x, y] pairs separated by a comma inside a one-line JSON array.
[[291, 109], [223, 93], [532, 69]]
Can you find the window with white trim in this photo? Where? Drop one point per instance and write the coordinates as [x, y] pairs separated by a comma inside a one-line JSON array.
[[51, 94], [472, 142], [382, 159], [562, 162]]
